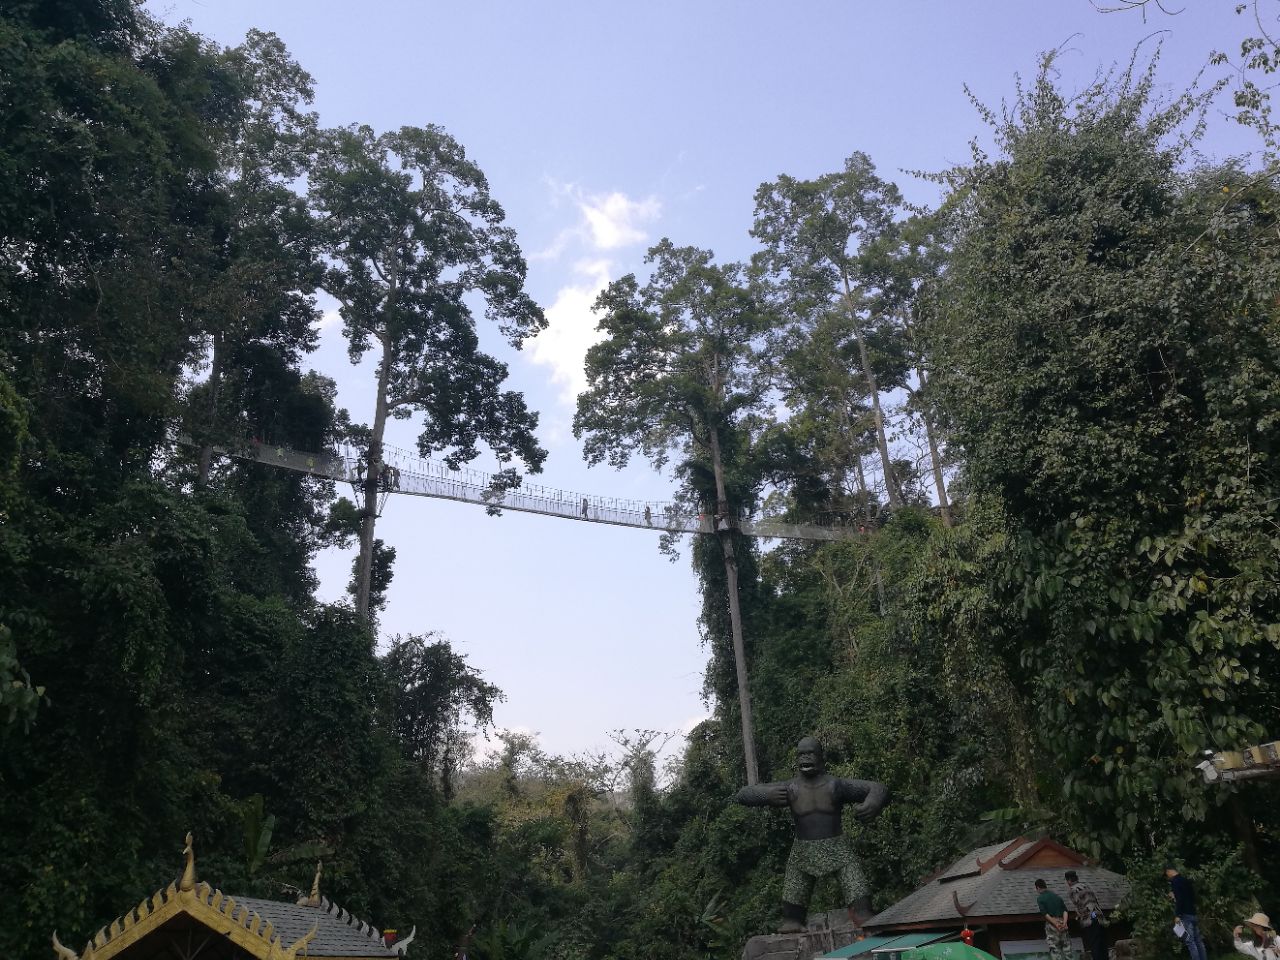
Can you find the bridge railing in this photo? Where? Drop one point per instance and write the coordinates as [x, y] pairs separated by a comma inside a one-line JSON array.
[[405, 472]]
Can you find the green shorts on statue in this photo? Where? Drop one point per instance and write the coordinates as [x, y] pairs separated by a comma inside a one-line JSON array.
[[811, 859]]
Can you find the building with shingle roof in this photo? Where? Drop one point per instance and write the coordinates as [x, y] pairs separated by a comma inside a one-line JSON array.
[[190, 918], [991, 890]]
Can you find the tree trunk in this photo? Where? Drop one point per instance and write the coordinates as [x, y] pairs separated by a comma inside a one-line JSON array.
[[852, 456], [939, 482], [1245, 833], [215, 389], [364, 569], [725, 537], [891, 485]]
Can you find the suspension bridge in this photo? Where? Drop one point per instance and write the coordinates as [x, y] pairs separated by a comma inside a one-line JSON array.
[[404, 472]]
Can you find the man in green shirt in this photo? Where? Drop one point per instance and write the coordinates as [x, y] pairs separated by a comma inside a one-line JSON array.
[[1055, 922]]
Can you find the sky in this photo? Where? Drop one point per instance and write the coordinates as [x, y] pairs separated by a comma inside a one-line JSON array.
[[603, 126]]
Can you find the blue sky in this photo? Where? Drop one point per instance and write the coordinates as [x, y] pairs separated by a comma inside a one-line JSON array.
[[603, 126]]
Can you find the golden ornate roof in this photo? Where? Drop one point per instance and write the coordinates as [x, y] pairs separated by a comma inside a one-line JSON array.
[[265, 929]]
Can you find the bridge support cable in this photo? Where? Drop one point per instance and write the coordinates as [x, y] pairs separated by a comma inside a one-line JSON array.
[[405, 472]]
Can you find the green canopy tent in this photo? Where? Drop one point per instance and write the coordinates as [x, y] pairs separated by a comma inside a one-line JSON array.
[[947, 951], [886, 947]]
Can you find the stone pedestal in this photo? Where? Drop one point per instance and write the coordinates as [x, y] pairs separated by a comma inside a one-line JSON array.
[[825, 932]]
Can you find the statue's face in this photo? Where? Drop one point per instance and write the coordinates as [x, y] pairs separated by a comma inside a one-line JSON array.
[[809, 757]]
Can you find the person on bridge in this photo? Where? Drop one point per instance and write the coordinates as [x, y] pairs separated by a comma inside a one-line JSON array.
[[648, 516], [586, 505]]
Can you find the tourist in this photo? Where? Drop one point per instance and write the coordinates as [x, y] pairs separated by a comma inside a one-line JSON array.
[[1261, 942], [1183, 895], [1055, 922], [1089, 916]]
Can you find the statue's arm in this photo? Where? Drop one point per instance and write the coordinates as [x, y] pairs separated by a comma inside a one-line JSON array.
[[763, 795], [869, 796]]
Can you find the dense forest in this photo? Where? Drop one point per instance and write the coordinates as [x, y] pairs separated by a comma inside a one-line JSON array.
[[1052, 403]]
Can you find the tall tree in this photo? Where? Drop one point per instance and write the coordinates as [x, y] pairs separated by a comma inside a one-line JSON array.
[[1111, 375], [682, 365], [812, 231], [905, 266], [259, 310], [433, 693], [830, 422], [411, 231]]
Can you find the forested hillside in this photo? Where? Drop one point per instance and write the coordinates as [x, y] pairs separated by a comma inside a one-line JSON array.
[[1051, 405]]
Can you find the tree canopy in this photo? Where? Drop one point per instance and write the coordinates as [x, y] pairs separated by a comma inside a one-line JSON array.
[[1059, 593]]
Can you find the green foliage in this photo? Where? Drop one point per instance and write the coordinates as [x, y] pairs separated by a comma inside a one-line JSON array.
[[1225, 894], [435, 699], [1111, 367], [411, 235], [19, 698], [1087, 331], [258, 827], [679, 365], [812, 233]]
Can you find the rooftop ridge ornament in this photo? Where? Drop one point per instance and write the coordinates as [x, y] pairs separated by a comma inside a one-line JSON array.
[[344, 916], [209, 906], [188, 882], [315, 900], [292, 952], [64, 953], [402, 946]]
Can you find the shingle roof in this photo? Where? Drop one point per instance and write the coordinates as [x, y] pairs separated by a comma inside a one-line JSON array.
[[338, 933], [1003, 888]]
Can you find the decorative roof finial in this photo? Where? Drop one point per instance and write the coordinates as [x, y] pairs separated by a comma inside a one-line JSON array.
[[292, 952], [63, 952], [314, 899], [402, 946], [188, 881]]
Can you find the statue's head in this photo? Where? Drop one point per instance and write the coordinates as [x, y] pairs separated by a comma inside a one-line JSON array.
[[809, 757]]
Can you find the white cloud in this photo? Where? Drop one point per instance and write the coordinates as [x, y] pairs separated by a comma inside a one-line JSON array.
[[688, 726], [607, 222], [328, 319], [571, 328], [615, 220]]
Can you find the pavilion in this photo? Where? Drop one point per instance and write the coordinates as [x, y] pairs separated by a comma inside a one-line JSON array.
[[190, 919], [989, 891]]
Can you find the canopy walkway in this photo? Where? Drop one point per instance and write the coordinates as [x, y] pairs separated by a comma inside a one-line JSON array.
[[405, 472]]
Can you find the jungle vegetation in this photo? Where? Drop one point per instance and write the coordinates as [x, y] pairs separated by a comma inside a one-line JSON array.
[[1053, 404]]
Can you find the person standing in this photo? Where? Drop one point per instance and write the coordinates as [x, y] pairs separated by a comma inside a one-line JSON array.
[[1183, 894], [1089, 915], [1261, 943], [1055, 922]]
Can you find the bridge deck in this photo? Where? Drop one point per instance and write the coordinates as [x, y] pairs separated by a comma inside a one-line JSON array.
[[415, 476]]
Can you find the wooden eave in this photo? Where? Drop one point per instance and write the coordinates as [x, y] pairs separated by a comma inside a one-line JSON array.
[[1065, 855]]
